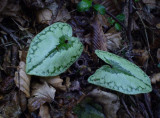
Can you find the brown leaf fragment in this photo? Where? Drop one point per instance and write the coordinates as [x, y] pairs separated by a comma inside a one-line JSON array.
[[43, 91], [113, 41], [34, 103], [44, 111], [44, 16], [142, 56], [98, 38], [155, 78], [158, 26], [109, 101], [22, 80], [55, 82], [63, 15]]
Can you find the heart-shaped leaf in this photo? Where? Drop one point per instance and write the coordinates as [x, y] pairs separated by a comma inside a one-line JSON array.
[[53, 51], [122, 75]]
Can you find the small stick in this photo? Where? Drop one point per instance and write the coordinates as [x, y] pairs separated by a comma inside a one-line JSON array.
[[15, 38], [148, 106], [125, 106]]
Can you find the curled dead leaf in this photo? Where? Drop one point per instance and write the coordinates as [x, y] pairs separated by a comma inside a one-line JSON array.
[[158, 25], [21, 99], [35, 103], [22, 80], [44, 111], [155, 78], [109, 101], [63, 15], [55, 82], [113, 41], [43, 91], [44, 16]]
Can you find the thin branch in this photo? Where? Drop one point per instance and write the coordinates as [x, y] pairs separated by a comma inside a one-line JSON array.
[[8, 31]]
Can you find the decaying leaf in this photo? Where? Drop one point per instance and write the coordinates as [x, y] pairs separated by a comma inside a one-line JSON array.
[[113, 41], [98, 39], [142, 56], [63, 15], [155, 78], [43, 91], [109, 101], [55, 82], [44, 16], [22, 80], [44, 111], [34, 103]]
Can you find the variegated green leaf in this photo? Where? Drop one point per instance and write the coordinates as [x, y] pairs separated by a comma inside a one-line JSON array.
[[53, 51], [122, 75]]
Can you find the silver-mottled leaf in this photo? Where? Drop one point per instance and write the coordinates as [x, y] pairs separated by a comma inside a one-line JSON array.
[[53, 51], [123, 76]]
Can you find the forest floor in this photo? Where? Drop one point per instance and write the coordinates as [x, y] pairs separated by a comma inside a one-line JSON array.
[[128, 28]]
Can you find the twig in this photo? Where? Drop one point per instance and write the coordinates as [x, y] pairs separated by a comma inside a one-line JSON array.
[[15, 38], [148, 106], [129, 35], [125, 106], [111, 15]]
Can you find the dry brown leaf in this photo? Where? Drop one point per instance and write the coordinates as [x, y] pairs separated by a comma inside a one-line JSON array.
[[109, 101], [43, 91], [44, 111], [158, 55], [34, 103], [142, 57], [113, 41], [63, 15], [12, 110], [98, 40], [55, 82], [155, 78], [22, 80], [44, 16]]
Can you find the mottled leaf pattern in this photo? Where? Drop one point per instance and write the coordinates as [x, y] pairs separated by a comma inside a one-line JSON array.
[[53, 51], [123, 76]]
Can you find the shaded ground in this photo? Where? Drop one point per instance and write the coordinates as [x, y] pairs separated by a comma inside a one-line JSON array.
[[69, 94]]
